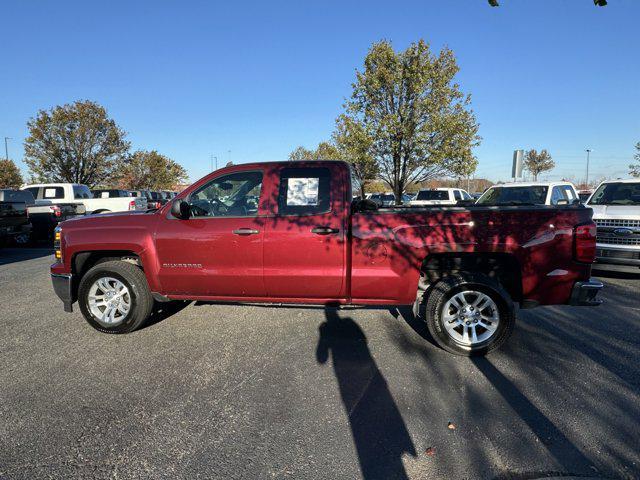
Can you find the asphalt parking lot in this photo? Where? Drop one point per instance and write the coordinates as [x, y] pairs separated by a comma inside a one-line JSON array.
[[223, 391]]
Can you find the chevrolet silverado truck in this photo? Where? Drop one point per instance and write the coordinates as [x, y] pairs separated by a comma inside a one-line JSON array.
[[289, 232]]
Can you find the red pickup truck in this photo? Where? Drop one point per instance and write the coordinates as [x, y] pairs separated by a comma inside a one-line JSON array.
[[289, 232]]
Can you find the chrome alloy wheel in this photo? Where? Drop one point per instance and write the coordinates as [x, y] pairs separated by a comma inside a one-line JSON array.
[[470, 317], [109, 301]]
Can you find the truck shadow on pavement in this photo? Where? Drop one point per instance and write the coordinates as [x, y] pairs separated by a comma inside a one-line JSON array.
[[379, 432], [12, 255], [162, 311]]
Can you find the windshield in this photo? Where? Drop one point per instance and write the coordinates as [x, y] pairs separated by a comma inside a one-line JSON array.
[[617, 194], [525, 195], [433, 195]]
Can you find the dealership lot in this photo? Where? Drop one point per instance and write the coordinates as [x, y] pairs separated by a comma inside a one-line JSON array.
[[222, 391]]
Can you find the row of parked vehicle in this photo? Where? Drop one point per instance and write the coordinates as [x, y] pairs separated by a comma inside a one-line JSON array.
[[34, 211], [536, 193], [615, 204]]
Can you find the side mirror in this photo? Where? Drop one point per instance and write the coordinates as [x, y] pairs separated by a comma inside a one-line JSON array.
[[181, 209], [562, 201]]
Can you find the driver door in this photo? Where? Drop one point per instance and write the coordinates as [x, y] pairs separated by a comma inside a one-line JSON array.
[[217, 252]]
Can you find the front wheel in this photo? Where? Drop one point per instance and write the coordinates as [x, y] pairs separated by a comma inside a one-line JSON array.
[[469, 314], [114, 297]]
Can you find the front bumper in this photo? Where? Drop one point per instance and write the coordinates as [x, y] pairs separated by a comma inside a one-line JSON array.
[[62, 285], [584, 293]]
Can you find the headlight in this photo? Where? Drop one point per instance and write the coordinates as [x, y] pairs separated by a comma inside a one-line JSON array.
[[57, 240]]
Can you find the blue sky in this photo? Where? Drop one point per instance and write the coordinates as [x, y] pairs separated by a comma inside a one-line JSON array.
[[196, 78]]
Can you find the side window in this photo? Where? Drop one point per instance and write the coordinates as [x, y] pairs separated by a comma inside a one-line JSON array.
[[304, 191], [569, 193], [556, 194], [34, 191], [53, 193], [465, 195], [233, 195], [456, 195], [81, 191]]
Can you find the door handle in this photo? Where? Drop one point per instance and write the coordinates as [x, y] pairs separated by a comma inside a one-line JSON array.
[[324, 230], [246, 231]]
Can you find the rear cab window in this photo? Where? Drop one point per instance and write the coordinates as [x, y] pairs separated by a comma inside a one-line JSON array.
[[432, 195]]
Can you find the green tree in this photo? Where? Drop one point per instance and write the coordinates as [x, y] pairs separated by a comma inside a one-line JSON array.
[[10, 176], [324, 151], [75, 143], [301, 153], [355, 146], [151, 170], [420, 122], [537, 163], [634, 168]]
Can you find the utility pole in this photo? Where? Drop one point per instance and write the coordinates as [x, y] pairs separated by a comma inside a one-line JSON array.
[[588, 150], [213, 158], [6, 149]]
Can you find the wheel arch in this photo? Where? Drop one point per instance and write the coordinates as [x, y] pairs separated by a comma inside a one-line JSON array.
[[502, 267]]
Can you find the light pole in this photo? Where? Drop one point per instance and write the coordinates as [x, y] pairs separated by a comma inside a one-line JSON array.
[[6, 149], [588, 150], [216, 159]]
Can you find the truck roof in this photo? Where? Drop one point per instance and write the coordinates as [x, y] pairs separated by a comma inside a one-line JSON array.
[[532, 184], [626, 180], [52, 185]]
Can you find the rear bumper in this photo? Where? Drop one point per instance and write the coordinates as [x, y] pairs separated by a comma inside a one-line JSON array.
[[617, 256], [584, 293], [62, 285]]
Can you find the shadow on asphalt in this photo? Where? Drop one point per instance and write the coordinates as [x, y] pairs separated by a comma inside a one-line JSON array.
[[12, 255], [557, 443], [164, 310], [379, 432], [619, 274], [561, 334]]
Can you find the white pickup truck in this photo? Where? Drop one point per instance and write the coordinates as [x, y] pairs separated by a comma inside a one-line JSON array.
[[616, 212], [55, 202]]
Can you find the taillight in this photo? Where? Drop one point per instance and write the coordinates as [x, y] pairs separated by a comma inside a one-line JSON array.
[[584, 243], [132, 205], [57, 243], [55, 209]]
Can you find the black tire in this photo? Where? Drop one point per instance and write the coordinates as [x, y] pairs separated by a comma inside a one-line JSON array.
[[135, 281], [439, 294]]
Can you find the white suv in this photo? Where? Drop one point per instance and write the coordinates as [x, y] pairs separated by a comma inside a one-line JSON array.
[[616, 212]]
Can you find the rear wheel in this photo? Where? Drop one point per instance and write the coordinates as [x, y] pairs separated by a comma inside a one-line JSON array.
[[114, 297], [469, 314]]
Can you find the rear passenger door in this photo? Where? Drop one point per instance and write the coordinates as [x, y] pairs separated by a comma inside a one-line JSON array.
[[305, 237]]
